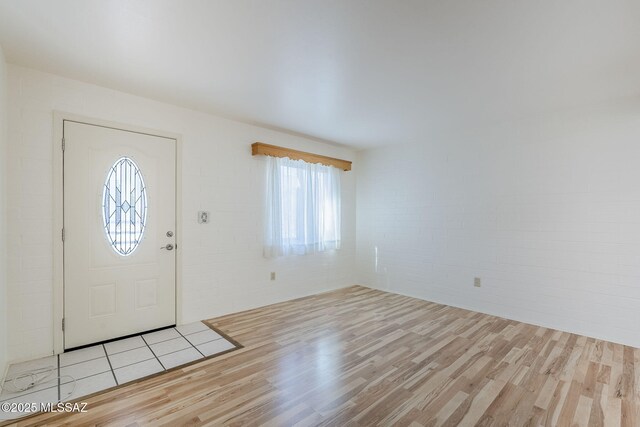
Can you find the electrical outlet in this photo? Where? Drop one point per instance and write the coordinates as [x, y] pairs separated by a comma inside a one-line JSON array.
[[476, 282], [273, 275]]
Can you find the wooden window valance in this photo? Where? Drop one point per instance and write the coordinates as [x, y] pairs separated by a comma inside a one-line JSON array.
[[259, 148]]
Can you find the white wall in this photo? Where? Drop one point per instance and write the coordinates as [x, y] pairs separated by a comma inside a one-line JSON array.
[[224, 270], [546, 212], [3, 216]]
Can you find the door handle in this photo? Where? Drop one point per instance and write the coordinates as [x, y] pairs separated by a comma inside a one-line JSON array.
[[169, 247]]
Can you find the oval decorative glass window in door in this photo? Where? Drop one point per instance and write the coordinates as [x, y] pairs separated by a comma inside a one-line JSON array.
[[124, 206]]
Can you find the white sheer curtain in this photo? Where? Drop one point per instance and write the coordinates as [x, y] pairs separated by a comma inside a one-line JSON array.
[[302, 207]]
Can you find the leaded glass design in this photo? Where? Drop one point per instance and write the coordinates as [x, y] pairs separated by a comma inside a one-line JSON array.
[[124, 206]]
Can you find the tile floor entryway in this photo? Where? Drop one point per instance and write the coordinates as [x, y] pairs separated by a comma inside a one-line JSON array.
[[71, 375]]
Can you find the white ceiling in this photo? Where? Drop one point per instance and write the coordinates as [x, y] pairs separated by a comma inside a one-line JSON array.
[[356, 72]]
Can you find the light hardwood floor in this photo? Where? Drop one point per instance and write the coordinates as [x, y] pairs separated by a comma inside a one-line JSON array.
[[365, 357]]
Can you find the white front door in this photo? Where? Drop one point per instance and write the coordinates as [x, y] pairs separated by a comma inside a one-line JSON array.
[[119, 233]]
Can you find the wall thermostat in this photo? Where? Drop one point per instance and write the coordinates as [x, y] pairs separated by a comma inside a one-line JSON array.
[[203, 217]]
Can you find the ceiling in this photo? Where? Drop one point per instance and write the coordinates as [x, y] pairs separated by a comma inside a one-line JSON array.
[[357, 72]]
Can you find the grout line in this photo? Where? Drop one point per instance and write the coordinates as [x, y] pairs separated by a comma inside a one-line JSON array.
[[195, 332], [175, 351], [110, 366], [26, 394], [89, 376], [133, 363], [192, 345], [217, 339], [124, 351], [82, 378], [153, 352], [77, 363], [158, 342]]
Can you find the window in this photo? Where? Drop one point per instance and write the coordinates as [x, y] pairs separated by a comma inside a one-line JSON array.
[[303, 207], [124, 206]]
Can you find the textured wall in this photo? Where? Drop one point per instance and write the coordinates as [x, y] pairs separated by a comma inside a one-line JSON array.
[[223, 267], [546, 212]]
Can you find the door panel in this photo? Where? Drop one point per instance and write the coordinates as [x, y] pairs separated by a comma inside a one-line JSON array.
[[110, 289]]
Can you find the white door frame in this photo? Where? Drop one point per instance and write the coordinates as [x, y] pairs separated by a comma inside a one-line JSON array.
[[58, 214]]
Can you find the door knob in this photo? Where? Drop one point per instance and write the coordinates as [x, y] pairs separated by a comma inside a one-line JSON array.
[[169, 247]]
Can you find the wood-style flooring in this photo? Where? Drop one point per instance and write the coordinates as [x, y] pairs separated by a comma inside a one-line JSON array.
[[362, 357]]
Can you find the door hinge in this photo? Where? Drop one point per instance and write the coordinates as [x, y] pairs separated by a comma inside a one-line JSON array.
[[63, 143], [63, 323], [63, 234]]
